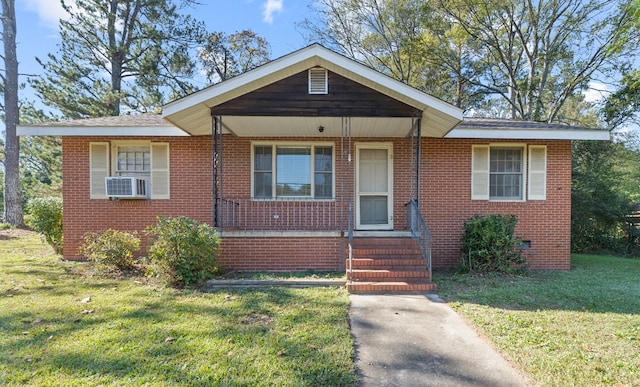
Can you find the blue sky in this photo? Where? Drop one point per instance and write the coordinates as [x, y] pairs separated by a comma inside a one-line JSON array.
[[274, 20]]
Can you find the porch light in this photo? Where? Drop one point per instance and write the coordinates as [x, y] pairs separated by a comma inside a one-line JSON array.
[[320, 128]]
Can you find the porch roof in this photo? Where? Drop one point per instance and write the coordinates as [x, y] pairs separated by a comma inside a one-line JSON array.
[[193, 113]]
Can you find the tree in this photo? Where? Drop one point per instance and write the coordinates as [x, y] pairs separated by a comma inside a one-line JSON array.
[[120, 56], [600, 202], [623, 105], [12, 213], [536, 55], [408, 40], [225, 56]]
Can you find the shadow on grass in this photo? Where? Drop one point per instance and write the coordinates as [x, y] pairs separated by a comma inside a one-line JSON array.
[[598, 284]]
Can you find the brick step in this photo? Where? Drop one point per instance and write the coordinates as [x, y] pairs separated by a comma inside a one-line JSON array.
[[390, 287], [378, 275], [388, 264], [381, 257], [383, 242], [387, 251]]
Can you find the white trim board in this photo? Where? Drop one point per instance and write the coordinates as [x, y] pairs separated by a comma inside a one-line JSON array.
[[531, 134], [92, 131]]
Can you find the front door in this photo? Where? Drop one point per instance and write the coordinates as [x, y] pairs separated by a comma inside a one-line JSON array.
[[374, 186]]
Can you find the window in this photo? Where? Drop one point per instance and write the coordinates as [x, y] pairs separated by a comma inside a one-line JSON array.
[[292, 171], [499, 172], [143, 159], [505, 174], [134, 161]]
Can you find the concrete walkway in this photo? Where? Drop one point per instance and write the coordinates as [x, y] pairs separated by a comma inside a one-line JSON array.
[[410, 340]]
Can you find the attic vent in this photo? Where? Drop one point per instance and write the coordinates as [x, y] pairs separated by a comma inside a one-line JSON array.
[[318, 81]]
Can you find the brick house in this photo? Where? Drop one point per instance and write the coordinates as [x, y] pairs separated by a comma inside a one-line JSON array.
[[314, 159]]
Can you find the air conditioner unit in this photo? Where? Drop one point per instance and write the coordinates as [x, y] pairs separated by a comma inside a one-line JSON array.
[[127, 187]]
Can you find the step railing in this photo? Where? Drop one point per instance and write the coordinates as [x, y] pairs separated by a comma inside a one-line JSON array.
[[350, 241], [420, 232]]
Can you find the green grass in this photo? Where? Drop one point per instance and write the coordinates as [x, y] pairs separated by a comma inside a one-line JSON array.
[[130, 333], [575, 328]]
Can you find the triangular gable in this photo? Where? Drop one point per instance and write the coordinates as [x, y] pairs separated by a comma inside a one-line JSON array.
[[193, 113]]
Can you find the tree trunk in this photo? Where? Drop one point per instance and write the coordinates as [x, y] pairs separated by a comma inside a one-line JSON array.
[[12, 202]]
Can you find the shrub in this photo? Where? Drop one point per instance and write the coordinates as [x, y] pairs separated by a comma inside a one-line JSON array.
[[488, 245], [183, 251], [111, 248], [46, 219]]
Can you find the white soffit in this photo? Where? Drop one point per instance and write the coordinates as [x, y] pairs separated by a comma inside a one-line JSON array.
[[532, 134], [244, 126], [169, 131]]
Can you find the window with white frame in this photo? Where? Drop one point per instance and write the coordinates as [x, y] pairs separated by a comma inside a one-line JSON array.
[[501, 172], [293, 171], [133, 161], [144, 159], [506, 173]]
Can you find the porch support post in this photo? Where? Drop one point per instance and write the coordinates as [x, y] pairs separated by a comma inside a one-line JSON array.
[[216, 168]]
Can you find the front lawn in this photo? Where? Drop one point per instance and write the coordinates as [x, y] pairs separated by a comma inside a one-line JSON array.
[[575, 328], [61, 327]]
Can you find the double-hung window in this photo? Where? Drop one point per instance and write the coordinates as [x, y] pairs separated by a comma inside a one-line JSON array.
[[141, 159], [501, 172], [293, 171]]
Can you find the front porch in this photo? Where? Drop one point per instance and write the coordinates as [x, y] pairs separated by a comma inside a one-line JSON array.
[[309, 149]]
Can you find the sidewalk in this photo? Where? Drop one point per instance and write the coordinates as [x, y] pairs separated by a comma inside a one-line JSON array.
[[409, 340]]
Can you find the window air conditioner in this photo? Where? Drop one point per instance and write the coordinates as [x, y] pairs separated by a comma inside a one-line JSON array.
[[127, 187]]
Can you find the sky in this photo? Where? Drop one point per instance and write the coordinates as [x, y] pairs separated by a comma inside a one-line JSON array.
[[274, 20]]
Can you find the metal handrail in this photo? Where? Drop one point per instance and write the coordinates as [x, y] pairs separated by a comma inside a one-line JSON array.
[[420, 232], [350, 241]]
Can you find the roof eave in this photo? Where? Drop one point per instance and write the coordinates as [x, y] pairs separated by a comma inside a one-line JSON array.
[[531, 134], [124, 131]]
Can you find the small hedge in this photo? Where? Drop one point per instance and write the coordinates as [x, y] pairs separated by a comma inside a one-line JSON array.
[[111, 248], [488, 245], [183, 251], [46, 219]]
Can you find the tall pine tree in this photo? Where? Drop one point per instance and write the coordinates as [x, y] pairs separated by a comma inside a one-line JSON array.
[[120, 56]]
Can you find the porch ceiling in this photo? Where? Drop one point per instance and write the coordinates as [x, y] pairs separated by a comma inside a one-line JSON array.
[[249, 126]]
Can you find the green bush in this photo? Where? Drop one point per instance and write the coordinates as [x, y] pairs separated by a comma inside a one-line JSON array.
[[46, 219], [183, 251], [111, 248], [488, 245]]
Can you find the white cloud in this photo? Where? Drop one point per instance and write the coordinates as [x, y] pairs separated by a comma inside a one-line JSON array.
[[49, 11], [596, 92], [270, 7]]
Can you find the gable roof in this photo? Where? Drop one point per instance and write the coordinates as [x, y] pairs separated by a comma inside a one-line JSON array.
[[193, 112]]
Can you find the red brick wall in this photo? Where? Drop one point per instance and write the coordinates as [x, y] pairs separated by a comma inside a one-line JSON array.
[[284, 254], [190, 191], [446, 203]]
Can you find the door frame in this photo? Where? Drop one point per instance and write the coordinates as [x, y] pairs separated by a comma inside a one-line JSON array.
[[374, 145]]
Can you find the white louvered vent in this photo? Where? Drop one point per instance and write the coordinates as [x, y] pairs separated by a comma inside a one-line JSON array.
[[127, 187], [318, 81]]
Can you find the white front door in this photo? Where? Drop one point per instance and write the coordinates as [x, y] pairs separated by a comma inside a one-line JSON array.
[[374, 186]]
